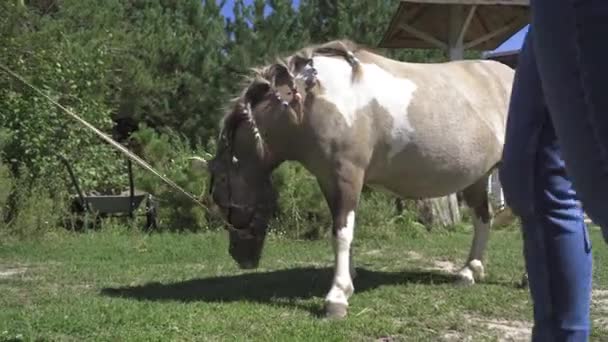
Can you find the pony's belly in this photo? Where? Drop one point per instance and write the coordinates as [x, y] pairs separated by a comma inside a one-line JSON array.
[[409, 188], [418, 177]]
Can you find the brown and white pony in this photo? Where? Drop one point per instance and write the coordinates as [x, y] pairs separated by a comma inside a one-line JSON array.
[[353, 117]]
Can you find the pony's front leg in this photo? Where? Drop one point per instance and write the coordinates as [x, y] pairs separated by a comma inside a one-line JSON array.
[[345, 199], [336, 302]]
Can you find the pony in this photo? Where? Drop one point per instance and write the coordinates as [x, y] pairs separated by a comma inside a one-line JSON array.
[[353, 117]]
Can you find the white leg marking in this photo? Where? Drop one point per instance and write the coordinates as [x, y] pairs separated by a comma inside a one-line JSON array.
[[353, 271], [342, 287], [473, 269], [466, 276]]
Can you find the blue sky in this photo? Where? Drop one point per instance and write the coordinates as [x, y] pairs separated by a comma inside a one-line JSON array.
[[515, 42], [227, 10], [512, 43]]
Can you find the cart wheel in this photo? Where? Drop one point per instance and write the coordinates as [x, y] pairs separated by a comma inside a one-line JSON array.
[[150, 213]]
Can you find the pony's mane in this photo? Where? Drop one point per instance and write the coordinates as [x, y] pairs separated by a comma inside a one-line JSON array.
[[238, 111], [336, 48]]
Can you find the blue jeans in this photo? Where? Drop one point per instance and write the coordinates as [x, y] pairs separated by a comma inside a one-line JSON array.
[[560, 95]]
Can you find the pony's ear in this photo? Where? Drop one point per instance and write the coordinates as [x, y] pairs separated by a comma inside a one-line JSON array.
[[256, 92], [279, 74], [297, 63]]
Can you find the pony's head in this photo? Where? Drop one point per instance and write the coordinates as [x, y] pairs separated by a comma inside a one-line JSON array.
[[240, 171]]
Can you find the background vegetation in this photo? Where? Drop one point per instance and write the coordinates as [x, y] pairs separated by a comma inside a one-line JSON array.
[[155, 74]]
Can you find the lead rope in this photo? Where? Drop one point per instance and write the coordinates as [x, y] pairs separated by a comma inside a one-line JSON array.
[[115, 144]]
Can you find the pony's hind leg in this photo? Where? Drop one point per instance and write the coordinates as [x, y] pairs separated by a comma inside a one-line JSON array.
[[476, 197]]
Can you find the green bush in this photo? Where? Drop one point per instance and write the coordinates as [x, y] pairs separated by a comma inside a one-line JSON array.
[[39, 210], [6, 182], [29, 207], [168, 153], [379, 218], [6, 186], [303, 211], [73, 73]]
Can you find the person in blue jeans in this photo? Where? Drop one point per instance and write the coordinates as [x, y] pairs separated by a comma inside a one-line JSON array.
[[555, 160]]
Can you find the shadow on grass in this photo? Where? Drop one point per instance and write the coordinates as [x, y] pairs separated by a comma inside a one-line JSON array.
[[281, 287]]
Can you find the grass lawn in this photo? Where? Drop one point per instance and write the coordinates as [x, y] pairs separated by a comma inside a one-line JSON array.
[[117, 285]]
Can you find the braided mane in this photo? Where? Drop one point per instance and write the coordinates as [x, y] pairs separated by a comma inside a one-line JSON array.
[[240, 110]]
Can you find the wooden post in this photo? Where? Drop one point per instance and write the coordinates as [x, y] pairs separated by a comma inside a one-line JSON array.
[[439, 212], [455, 35]]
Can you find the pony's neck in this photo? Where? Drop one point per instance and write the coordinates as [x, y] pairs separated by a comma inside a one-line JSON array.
[[282, 140]]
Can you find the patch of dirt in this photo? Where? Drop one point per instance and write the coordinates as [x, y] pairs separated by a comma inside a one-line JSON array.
[[387, 339], [455, 336], [437, 265], [520, 331], [510, 330], [444, 266], [600, 293], [394, 338], [414, 255], [599, 308], [504, 330], [8, 271], [373, 252]]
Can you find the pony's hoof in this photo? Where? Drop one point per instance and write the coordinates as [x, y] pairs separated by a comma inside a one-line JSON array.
[[335, 310], [479, 272], [465, 277]]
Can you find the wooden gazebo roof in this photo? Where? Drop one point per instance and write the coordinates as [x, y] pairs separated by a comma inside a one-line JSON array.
[[481, 24]]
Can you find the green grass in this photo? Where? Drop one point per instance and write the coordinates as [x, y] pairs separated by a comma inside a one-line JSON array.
[[116, 285]]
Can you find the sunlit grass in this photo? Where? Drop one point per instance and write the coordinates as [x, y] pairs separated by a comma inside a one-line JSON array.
[[115, 285]]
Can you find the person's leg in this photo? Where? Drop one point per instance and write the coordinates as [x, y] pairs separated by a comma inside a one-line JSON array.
[[556, 247], [572, 56]]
